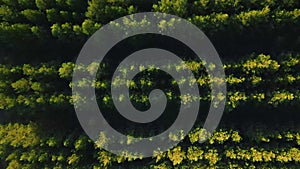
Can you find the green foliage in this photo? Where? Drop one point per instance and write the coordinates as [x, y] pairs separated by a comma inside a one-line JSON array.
[[176, 155], [8, 14], [53, 15], [252, 74], [62, 31], [36, 103], [105, 10], [44, 4], [89, 27], [33, 16], [26, 4], [253, 17], [29, 86], [21, 85], [82, 18], [23, 145], [175, 7], [66, 70]]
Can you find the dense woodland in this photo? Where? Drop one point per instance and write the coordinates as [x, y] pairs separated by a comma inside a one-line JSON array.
[[257, 40]]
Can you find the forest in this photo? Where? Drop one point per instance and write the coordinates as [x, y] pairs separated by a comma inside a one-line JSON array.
[[258, 42]]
